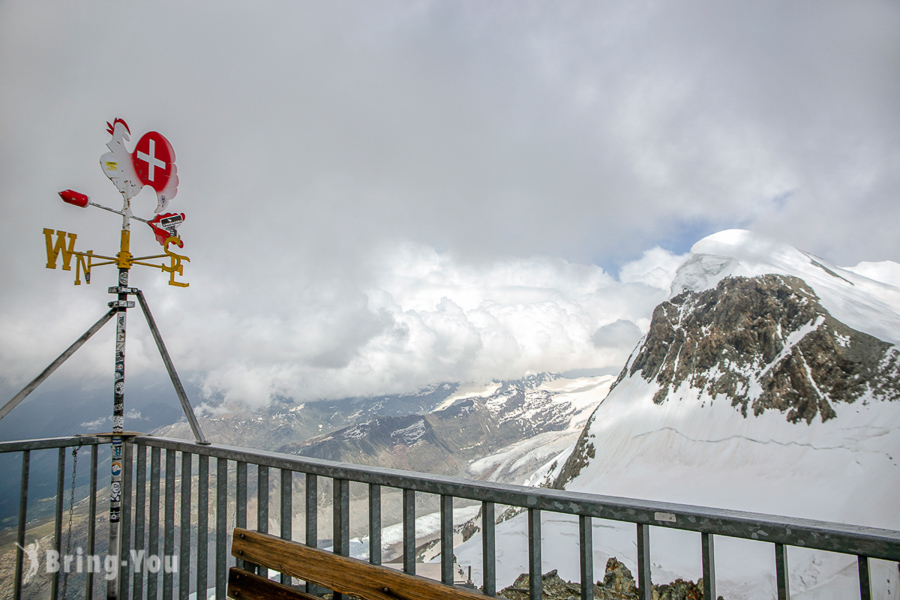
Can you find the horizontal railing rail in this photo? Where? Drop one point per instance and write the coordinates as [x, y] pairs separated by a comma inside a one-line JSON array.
[[177, 477], [807, 533]]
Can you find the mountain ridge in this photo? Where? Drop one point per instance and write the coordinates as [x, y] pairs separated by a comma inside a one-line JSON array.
[[470, 429], [770, 344]]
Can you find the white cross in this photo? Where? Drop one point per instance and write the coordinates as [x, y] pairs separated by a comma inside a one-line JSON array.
[[151, 159]]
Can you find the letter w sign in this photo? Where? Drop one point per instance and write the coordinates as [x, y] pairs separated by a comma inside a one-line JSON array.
[[53, 251]]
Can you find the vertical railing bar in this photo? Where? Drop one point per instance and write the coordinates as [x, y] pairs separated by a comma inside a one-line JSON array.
[[221, 527], [447, 539], [140, 500], [202, 525], [488, 549], [708, 557], [241, 508], [184, 547], [23, 512], [645, 585], [262, 499], [287, 488], [57, 519], [262, 508], [125, 566], [92, 519], [169, 524], [781, 572], [340, 520], [374, 524], [312, 511], [287, 485], [586, 547], [312, 518], [535, 589], [409, 531], [153, 536], [865, 588]]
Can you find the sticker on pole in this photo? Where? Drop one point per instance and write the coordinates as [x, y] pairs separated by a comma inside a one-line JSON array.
[[165, 226]]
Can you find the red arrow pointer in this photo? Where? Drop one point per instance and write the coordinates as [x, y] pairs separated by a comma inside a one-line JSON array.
[[164, 226], [82, 201]]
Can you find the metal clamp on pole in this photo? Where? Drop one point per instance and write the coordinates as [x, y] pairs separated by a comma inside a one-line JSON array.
[[121, 304], [123, 290]]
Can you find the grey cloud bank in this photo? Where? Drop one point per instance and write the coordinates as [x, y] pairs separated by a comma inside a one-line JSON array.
[[389, 194]]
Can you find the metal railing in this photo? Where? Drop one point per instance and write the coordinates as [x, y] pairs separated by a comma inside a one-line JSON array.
[[175, 503]]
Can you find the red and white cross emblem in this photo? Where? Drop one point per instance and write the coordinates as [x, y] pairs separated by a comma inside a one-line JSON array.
[[153, 157]]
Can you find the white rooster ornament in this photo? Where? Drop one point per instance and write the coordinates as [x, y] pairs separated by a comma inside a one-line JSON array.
[[152, 163]]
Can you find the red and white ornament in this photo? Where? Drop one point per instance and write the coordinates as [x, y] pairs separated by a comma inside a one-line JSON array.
[[151, 163]]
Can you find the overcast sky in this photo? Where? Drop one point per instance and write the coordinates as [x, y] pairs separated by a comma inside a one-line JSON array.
[[381, 195]]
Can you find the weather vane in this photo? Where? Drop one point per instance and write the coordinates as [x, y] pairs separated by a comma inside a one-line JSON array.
[[152, 163]]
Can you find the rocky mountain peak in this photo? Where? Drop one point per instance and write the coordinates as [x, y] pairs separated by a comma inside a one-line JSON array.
[[764, 342]]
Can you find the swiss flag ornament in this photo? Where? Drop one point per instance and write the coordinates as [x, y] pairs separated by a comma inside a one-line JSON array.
[[154, 160], [151, 163]]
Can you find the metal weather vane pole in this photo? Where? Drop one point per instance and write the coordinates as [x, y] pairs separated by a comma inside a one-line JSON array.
[[151, 163], [121, 305]]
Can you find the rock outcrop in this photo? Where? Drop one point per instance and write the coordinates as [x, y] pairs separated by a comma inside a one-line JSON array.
[[618, 584], [765, 343]]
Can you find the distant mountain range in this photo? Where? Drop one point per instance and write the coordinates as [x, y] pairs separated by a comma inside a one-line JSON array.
[[496, 421], [502, 430]]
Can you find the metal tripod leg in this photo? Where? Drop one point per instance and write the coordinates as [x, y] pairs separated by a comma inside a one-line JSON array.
[[55, 364], [170, 367]]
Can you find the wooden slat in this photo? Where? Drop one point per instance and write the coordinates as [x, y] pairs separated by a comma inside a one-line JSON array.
[[340, 573], [244, 585]]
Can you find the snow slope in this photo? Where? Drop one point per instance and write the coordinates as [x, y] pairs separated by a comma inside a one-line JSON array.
[[533, 456], [697, 449], [850, 296]]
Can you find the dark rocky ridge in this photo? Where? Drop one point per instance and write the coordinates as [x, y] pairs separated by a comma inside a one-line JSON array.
[[766, 343]]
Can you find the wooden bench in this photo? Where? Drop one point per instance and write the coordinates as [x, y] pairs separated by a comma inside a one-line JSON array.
[[348, 576]]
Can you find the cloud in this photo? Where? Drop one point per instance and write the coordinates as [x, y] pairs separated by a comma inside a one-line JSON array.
[[655, 268], [91, 425], [617, 334], [428, 317], [377, 196]]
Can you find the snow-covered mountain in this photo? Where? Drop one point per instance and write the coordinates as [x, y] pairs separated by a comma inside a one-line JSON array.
[[497, 431], [501, 431], [287, 422], [768, 382]]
